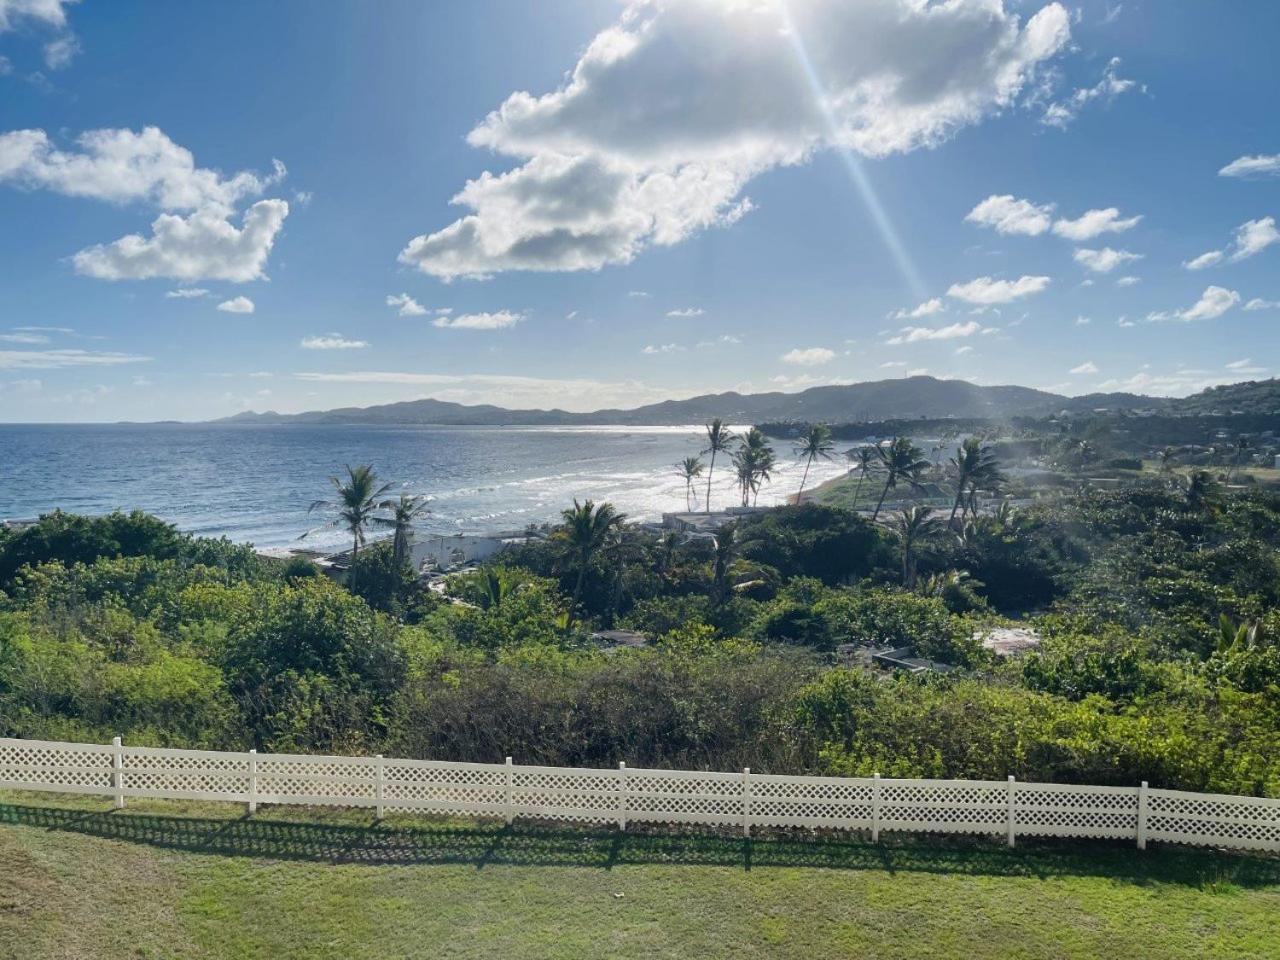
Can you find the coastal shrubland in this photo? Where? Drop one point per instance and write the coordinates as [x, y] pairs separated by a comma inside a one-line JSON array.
[[1157, 602]]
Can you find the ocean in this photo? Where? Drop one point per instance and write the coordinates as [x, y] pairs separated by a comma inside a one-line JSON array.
[[254, 483]]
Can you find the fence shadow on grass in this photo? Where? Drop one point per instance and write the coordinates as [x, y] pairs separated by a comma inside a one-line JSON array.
[[487, 846]]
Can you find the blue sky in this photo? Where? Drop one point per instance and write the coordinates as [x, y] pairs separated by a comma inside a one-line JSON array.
[[652, 200]]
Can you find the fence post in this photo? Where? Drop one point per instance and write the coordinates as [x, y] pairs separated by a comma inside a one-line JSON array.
[[1142, 816], [508, 794], [253, 780], [875, 808], [1013, 816], [746, 801], [381, 789], [117, 771], [622, 795]]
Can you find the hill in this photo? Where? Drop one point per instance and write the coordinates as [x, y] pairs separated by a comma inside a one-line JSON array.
[[906, 398], [1252, 397]]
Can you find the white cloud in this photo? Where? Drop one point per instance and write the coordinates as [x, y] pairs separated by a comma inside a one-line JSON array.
[[670, 112], [1104, 260], [498, 320], [1112, 85], [1094, 223], [511, 391], [1177, 384], [121, 166], [809, 356], [186, 293], [892, 363], [1087, 367], [652, 349], [685, 313], [59, 53], [961, 351], [1209, 259], [950, 332], [1083, 321], [926, 309], [407, 306], [639, 294], [1245, 366], [1213, 303], [58, 359], [203, 246], [1257, 303], [236, 305], [1128, 281], [1009, 215], [332, 341], [50, 12], [29, 339], [725, 339], [985, 291], [1262, 165], [6, 66], [1254, 237]]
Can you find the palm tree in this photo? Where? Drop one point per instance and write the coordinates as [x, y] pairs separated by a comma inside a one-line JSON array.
[[726, 552], [815, 443], [719, 440], [356, 503], [690, 468], [968, 461], [1199, 486], [761, 460], [865, 458], [901, 460], [585, 530], [404, 512], [913, 525]]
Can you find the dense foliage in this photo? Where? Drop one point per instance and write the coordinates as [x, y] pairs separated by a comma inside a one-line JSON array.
[[1158, 604]]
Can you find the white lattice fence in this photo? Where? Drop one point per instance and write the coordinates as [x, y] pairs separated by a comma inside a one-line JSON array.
[[629, 795]]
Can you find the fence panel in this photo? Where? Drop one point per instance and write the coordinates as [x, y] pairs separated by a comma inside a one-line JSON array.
[[620, 796]]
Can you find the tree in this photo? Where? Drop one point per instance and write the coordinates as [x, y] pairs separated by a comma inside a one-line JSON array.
[[754, 462], [356, 503], [901, 460], [973, 462], [1239, 447], [586, 529], [913, 526], [1199, 487], [690, 469], [815, 443], [404, 512], [1166, 460], [719, 440], [726, 553], [865, 459]]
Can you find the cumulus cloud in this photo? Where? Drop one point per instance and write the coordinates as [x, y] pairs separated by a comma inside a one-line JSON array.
[[1177, 384], [1104, 260], [926, 309], [1087, 367], [1257, 303], [1009, 215], [985, 291], [950, 332], [186, 293], [1203, 261], [1128, 281], [670, 112], [236, 305], [58, 359], [203, 246], [121, 166], [685, 313], [1245, 367], [498, 320], [1094, 223], [652, 349], [1213, 303], [332, 341], [59, 53], [1063, 112], [50, 12], [406, 305], [808, 357], [1262, 165], [1251, 237]]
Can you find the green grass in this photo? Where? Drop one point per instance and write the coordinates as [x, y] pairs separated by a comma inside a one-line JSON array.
[[168, 880]]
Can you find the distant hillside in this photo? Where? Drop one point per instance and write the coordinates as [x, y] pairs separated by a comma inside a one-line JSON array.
[[903, 399]]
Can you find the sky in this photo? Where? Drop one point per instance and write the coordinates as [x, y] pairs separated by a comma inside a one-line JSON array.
[[214, 207]]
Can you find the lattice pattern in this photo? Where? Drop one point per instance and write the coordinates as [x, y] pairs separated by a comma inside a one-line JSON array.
[[1058, 810], [184, 774], [669, 796], [422, 785], [944, 806], [1244, 822], [810, 802], [69, 767], [333, 781]]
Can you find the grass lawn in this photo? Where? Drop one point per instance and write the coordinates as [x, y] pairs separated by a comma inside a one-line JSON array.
[[170, 880]]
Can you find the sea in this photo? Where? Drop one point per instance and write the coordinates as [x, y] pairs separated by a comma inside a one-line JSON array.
[[254, 483]]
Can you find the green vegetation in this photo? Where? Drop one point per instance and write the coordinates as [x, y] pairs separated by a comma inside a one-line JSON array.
[[165, 880]]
